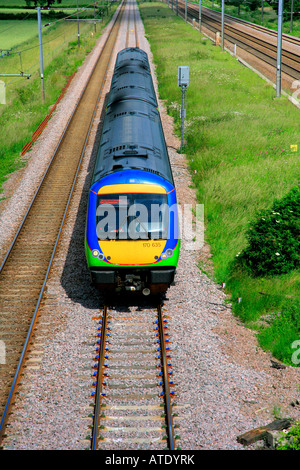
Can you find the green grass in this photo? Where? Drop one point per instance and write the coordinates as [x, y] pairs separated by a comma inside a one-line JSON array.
[[15, 32], [238, 138], [24, 110]]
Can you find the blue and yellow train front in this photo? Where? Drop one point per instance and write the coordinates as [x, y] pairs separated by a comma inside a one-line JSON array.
[[132, 234]]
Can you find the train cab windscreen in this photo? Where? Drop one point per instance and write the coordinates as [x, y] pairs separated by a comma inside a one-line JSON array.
[[132, 216]]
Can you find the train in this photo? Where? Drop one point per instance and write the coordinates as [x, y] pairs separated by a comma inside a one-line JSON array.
[[132, 240]]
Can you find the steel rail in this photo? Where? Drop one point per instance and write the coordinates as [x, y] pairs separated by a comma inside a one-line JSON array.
[[35, 314], [100, 377], [131, 15], [168, 406], [271, 32], [260, 49], [250, 36], [127, 31], [98, 393], [247, 41], [135, 27]]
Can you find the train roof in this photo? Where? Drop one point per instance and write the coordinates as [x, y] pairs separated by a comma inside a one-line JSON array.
[[130, 84], [130, 56], [132, 138], [132, 135], [132, 77]]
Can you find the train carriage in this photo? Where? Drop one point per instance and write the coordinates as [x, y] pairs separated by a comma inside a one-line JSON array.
[[132, 238]]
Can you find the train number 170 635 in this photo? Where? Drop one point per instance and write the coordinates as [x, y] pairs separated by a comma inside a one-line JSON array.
[[153, 244]]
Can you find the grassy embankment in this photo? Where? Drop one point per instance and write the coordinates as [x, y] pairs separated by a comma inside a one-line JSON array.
[[238, 146], [24, 109]]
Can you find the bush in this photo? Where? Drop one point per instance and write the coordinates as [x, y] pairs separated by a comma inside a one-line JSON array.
[[273, 238], [291, 441]]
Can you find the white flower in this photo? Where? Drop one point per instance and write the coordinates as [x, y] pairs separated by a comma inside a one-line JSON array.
[[277, 254]]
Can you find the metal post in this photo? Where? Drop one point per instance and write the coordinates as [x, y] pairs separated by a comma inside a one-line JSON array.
[[41, 53], [183, 82], [78, 33], [185, 11], [292, 14], [222, 32], [182, 112], [262, 12], [279, 48], [199, 16]]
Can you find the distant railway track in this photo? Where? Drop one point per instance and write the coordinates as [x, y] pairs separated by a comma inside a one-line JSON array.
[[254, 39], [287, 37], [133, 381], [132, 38], [26, 266]]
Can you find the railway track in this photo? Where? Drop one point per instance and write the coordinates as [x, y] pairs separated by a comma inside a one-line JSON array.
[[133, 381], [258, 41], [132, 37], [26, 266], [131, 372], [257, 27]]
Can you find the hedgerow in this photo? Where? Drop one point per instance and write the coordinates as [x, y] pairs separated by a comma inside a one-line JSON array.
[[273, 238]]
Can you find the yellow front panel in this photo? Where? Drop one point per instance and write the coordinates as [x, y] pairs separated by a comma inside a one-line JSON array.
[[134, 252]]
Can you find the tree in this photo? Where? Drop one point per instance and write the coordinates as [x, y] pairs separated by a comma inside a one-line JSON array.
[[287, 8], [40, 3]]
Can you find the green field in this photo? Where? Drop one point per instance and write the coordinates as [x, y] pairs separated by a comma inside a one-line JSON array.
[[24, 110], [15, 32]]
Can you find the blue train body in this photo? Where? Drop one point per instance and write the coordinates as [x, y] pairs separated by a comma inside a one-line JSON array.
[[132, 238]]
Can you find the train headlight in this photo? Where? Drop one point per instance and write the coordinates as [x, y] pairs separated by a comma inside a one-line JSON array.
[[97, 254], [167, 254]]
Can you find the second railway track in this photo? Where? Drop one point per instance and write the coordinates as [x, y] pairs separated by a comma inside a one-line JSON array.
[[25, 268], [259, 42]]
